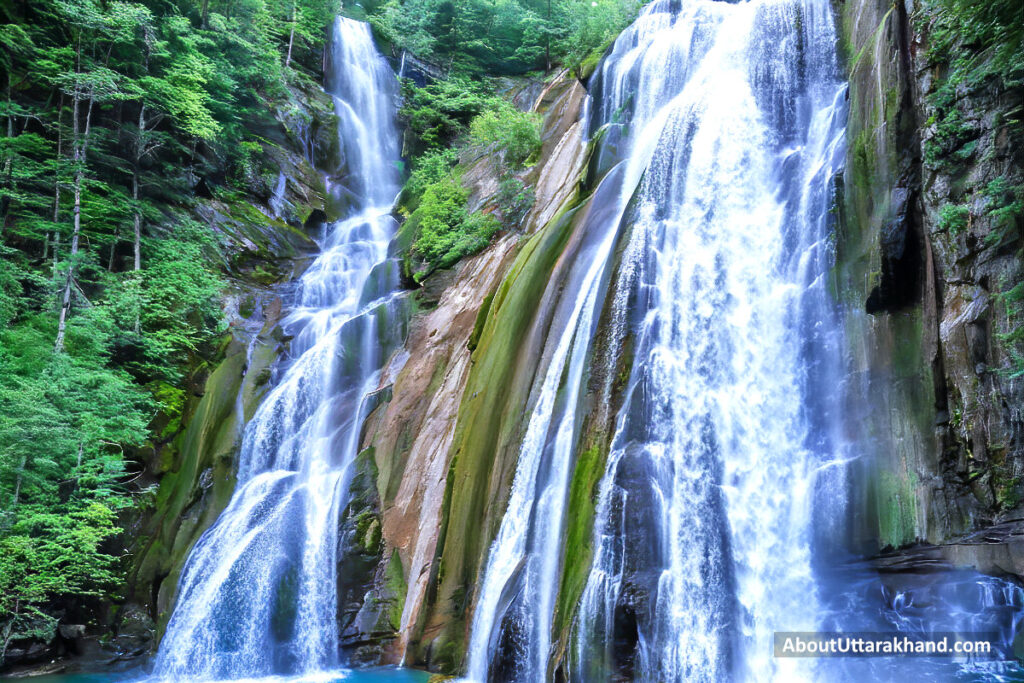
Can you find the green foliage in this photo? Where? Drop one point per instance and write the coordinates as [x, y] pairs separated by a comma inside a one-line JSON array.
[[428, 168], [590, 27], [501, 36], [953, 218], [1005, 207], [981, 43], [953, 141], [1013, 300], [175, 300], [130, 113], [64, 419], [438, 116], [515, 134], [440, 112], [446, 231], [467, 42], [994, 29], [980, 46]]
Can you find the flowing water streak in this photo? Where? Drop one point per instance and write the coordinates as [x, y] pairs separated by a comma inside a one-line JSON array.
[[703, 528], [257, 595], [531, 528], [517, 596]]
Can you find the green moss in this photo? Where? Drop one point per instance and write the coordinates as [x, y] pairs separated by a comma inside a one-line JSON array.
[[394, 581], [896, 507], [172, 404], [478, 325], [588, 65], [906, 359], [583, 492], [205, 450], [1008, 493], [489, 417], [437, 376], [446, 656], [368, 531], [862, 152]]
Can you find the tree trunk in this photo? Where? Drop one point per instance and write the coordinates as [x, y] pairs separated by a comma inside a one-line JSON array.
[[17, 481], [139, 147], [56, 184], [113, 252], [291, 39], [138, 242], [137, 266], [9, 161], [81, 148], [547, 46]]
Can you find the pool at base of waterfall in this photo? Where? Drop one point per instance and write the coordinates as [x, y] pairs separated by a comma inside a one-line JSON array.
[[923, 602], [378, 675]]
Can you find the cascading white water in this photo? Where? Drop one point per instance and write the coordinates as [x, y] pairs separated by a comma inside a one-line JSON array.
[[516, 600], [727, 119], [531, 529], [258, 593], [703, 530]]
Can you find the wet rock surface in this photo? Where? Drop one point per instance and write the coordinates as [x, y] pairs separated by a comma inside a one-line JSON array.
[[933, 396]]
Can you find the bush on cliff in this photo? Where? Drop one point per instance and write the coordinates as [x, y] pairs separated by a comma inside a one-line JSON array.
[[515, 134], [446, 231]]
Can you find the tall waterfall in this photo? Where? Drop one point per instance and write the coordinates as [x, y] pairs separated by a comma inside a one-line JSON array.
[[727, 124], [703, 530], [258, 593]]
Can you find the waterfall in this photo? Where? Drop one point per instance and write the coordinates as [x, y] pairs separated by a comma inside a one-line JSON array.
[[513, 616], [722, 126], [257, 594], [703, 530]]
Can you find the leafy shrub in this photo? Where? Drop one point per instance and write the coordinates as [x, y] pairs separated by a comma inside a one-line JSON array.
[[1005, 203], [516, 133], [994, 25], [440, 112], [446, 231], [953, 141], [591, 26], [982, 43], [1013, 300], [953, 217], [427, 169]]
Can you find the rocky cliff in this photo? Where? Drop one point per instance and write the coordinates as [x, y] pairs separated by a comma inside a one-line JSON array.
[[445, 442], [928, 253]]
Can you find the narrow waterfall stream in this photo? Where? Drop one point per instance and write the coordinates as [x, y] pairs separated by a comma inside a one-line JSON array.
[[257, 595]]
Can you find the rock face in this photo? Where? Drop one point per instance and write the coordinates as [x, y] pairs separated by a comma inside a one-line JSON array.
[[923, 265], [411, 435]]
